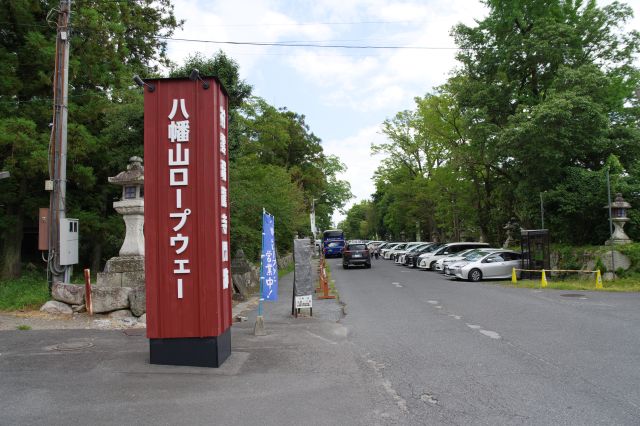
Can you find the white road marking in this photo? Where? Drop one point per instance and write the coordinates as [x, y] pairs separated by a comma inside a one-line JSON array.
[[397, 285], [322, 338], [475, 327], [491, 334], [438, 307], [386, 384], [433, 302]]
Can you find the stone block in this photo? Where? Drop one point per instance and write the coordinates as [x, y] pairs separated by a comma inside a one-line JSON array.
[[125, 264], [143, 319], [242, 283], [68, 293], [122, 313], [109, 279], [108, 299], [55, 307], [138, 301], [619, 261], [133, 279]]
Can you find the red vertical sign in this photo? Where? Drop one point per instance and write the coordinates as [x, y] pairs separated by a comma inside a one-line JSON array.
[[187, 260]]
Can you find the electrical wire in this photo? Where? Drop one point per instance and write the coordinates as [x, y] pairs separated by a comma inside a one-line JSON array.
[[325, 46]]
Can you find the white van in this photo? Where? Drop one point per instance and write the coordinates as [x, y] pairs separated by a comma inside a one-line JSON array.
[[428, 260]]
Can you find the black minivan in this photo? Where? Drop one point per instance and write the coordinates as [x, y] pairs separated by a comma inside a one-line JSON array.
[[356, 253]]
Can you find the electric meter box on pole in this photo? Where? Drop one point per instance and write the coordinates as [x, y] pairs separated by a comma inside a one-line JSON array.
[[187, 261]]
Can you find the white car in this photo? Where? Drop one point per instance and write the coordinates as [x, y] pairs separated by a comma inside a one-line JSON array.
[[388, 247], [487, 265], [387, 254], [400, 255], [428, 260]]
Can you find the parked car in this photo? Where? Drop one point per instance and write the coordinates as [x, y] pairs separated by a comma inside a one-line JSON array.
[[356, 253], [411, 258], [401, 255], [333, 249], [390, 254], [388, 247], [444, 262], [428, 260], [486, 265]]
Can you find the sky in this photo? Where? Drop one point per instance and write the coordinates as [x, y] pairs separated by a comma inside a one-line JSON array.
[[345, 94]]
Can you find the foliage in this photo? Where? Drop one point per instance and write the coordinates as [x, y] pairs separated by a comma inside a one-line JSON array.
[[28, 291], [278, 162], [254, 186], [110, 41], [541, 106]]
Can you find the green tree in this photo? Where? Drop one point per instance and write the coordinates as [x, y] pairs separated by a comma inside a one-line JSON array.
[[110, 41], [545, 87]]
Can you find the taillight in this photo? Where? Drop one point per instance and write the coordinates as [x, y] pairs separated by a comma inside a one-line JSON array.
[[346, 252], [366, 252]]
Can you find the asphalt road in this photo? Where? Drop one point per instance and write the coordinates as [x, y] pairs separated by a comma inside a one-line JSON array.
[[453, 352]]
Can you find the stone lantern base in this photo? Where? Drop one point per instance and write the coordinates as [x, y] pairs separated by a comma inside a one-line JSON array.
[[122, 271]]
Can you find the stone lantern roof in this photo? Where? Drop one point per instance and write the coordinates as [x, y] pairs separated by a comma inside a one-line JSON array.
[[620, 203], [134, 175]]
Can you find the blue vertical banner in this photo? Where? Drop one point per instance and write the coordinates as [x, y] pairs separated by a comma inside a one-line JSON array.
[[269, 264]]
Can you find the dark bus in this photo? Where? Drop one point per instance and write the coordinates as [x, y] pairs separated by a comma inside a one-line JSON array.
[[332, 242]]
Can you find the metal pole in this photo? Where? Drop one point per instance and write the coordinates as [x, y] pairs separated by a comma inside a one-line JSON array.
[[541, 211], [261, 268], [613, 266], [59, 150]]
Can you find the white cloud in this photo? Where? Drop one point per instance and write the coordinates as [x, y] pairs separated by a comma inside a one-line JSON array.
[[355, 151]]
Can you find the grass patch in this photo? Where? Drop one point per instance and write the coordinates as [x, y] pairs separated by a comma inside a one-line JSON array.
[[29, 291], [627, 284], [284, 271], [24, 327]]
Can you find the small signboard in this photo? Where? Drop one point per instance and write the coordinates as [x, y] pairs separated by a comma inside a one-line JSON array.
[[304, 302], [303, 279]]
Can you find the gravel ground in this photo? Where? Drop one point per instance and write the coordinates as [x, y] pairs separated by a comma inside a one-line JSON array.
[[37, 320]]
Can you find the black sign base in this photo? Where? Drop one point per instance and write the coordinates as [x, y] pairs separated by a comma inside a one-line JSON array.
[[191, 351]]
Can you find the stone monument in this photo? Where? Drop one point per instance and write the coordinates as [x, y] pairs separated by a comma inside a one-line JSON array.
[[510, 228], [619, 217], [127, 269]]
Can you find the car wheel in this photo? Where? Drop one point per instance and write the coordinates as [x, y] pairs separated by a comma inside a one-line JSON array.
[[475, 275], [345, 266], [368, 266], [432, 266]]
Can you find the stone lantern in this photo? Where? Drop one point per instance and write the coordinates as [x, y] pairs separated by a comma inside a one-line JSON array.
[[127, 269], [131, 206], [619, 217]]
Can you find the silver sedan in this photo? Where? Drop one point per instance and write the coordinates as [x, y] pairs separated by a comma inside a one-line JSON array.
[[486, 265]]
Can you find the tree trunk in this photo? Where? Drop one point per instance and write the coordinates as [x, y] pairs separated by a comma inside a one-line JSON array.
[[96, 257], [11, 249]]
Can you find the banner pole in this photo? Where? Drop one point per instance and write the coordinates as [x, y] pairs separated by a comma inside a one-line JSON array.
[[258, 329]]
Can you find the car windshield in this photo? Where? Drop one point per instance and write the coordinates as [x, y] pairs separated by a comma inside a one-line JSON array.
[[335, 244], [475, 255], [463, 253]]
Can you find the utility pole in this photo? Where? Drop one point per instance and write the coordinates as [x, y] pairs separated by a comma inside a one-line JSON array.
[[58, 151], [541, 211]]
